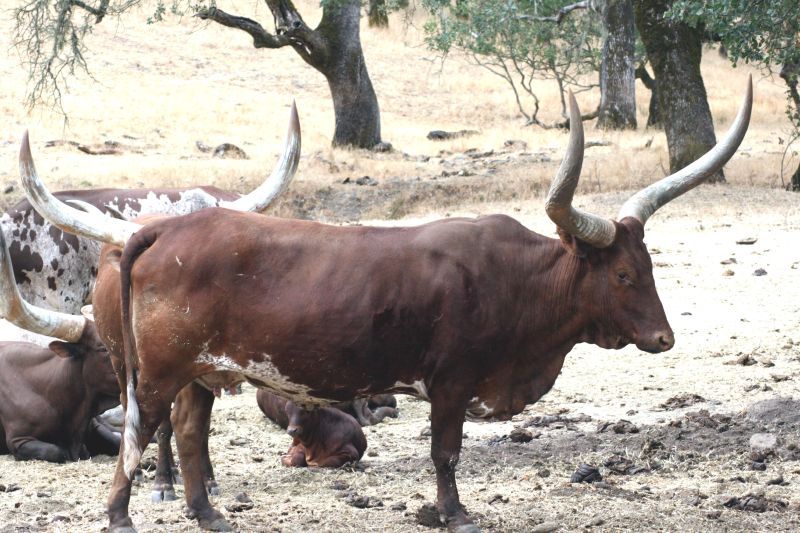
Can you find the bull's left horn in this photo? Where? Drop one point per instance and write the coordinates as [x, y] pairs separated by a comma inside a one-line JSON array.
[[259, 199], [69, 219], [592, 229], [645, 202], [29, 317]]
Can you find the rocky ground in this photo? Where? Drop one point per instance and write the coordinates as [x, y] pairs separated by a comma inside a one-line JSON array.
[[705, 437]]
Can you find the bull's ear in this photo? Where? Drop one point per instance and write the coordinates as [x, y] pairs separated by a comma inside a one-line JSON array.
[[65, 349], [574, 245]]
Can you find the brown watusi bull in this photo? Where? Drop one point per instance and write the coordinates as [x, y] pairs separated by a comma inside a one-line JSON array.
[[49, 395], [474, 315], [325, 437]]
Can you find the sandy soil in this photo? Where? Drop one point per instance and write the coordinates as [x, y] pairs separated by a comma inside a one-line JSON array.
[[676, 472]]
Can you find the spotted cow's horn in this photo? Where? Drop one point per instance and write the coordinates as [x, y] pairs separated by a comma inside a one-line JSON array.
[[69, 219], [259, 199], [645, 202], [36, 319], [592, 229]]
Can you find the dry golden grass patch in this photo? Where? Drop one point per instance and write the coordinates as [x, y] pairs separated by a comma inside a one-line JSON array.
[[160, 88]]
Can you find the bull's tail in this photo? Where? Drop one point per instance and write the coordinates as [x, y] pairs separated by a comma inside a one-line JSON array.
[[137, 244]]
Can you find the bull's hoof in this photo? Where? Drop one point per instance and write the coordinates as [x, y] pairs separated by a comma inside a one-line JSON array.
[[165, 495], [217, 524]]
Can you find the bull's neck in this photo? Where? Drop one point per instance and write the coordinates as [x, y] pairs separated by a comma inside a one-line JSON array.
[[552, 309]]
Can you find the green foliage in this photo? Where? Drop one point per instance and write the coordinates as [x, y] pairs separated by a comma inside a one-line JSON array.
[[764, 32], [514, 40]]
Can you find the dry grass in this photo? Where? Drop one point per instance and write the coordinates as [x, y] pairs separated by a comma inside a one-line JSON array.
[[171, 84]]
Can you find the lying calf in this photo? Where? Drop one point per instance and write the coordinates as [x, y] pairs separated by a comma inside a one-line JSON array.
[[324, 437]]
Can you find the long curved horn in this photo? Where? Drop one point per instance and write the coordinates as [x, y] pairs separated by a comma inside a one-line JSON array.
[[69, 219], [259, 199], [592, 229], [645, 202], [36, 319]]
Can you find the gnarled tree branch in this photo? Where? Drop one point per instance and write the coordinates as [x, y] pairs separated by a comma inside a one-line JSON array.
[[261, 37]]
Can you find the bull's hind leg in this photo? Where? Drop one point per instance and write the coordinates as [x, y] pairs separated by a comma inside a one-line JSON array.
[[154, 399], [447, 421], [166, 471], [191, 419], [43, 451]]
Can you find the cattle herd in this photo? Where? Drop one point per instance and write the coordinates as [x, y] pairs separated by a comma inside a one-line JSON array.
[[159, 299]]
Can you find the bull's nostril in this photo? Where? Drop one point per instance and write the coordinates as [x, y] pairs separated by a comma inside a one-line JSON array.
[[666, 341]]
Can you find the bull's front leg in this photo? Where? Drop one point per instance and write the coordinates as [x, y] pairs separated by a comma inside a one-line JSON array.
[[191, 419], [166, 471], [447, 421]]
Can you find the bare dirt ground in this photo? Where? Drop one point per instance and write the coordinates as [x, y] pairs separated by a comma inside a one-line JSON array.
[[158, 89], [682, 463]]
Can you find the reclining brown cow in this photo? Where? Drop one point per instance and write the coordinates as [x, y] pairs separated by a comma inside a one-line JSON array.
[[49, 395], [325, 437], [474, 315]]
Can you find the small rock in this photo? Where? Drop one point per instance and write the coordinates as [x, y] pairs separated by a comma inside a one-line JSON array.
[[760, 272], [546, 527], [747, 240], [745, 360], [497, 498], [366, 180], [586, 474], [776, 481], [683, 400], [13, 487], [372, 453], [257, 458], [758, 466], [714, 514], [363, 502], [777, 378], [238, 441], [728, 272], [543, 473], [597, 521], [242, 502], [729, 261], [59, 518], [762, 445], [8, 189], [520, 435], [624, 426], [382, 147], [426, 432], [428, 516], [339, 485], [755, 503], [229, 151], [441, 135], [42, 494], [399, 506], [203, 147]]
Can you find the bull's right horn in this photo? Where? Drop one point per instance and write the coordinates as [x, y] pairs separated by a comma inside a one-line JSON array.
[[260, 198], [69, 219], [645, 202], [592, 229], [29, 317]]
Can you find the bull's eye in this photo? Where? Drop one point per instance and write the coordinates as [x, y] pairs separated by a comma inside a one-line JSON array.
[[624, 277]]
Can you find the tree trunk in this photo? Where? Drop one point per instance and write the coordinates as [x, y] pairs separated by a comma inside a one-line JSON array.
[[790, 72], [653, 111], [617, 79], [377, 14], [355, 105], [675, 50]]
